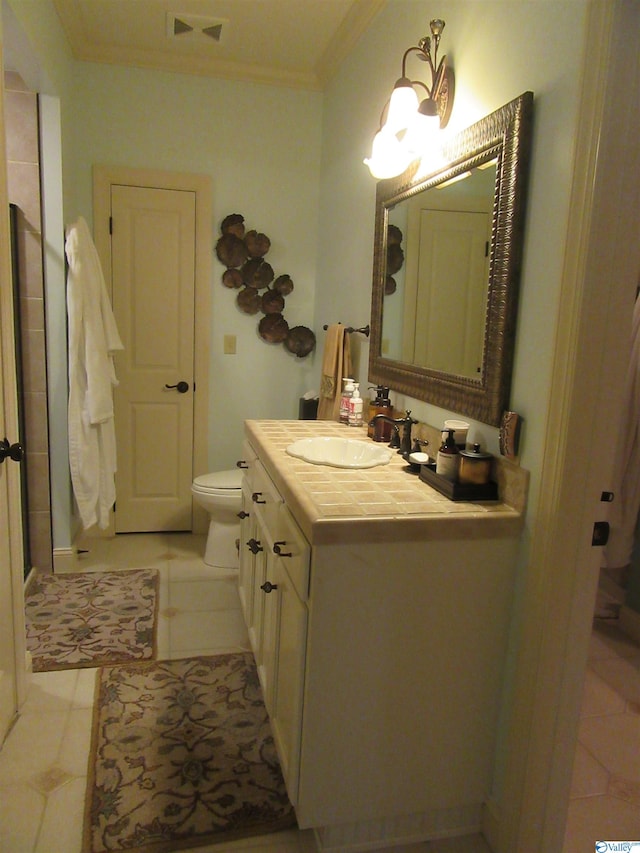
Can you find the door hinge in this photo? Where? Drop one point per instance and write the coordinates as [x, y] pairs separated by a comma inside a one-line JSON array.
[[15, 451], [111, 225]]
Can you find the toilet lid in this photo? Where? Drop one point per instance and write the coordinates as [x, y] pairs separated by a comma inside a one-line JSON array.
[[220, 480]]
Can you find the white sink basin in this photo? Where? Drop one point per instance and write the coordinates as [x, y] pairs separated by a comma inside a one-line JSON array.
[[339, 452]]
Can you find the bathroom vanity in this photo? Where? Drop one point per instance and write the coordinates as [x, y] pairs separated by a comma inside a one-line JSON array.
[[378, 613]]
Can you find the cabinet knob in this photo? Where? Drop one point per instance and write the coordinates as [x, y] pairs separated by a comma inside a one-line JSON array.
[[241, 464], [256, 498], [268, 587], [277, 549], [254, 546], [243, 514]]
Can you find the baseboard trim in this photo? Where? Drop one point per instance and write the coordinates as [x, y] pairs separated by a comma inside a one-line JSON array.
[[629, 623], [401, 830], [65, 559]]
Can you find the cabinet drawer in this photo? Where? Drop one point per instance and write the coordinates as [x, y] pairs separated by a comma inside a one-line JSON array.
[[248, 462], [265, 498], [293, 551]]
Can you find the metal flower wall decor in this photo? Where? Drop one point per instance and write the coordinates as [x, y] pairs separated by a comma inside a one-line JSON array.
[[243, 253]]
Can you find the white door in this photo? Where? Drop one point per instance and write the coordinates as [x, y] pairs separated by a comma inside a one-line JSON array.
[[8, 675], [153, 269], [452, 290], [11, 628]]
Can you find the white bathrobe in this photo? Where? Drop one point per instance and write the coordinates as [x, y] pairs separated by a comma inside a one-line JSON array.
[[93, 337]]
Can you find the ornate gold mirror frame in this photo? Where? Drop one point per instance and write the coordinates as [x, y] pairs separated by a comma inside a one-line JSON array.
[[504, 137]]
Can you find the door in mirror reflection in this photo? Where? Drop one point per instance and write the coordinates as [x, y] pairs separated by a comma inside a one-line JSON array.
[[435, 318]]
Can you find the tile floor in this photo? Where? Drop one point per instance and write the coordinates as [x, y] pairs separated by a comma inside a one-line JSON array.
[[43, 762], [605, 791]]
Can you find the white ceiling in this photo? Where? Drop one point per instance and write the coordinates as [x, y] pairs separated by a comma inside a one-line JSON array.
[[295, 43]]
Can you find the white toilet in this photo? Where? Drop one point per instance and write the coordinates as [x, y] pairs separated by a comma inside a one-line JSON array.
[[220, 494]]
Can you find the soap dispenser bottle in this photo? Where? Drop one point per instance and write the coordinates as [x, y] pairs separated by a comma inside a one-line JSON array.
[[355, 407], [344, 400], [381, 430], [448, 457]]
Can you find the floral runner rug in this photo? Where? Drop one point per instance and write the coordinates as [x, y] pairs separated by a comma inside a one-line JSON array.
[[182, 755], [91, 618]]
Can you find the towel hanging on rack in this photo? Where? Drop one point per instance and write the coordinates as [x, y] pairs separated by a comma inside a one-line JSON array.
[[336, 364]]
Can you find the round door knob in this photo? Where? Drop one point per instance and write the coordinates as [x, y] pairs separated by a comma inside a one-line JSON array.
[[181, 387], [267, 586]]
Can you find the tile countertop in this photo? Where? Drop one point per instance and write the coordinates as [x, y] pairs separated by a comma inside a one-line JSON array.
[[381, 504]]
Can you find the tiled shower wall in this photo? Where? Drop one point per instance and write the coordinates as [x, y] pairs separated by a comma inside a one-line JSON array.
[[23, 168]]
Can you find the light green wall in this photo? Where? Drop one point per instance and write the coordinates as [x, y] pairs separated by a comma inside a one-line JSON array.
[[498, 50], [291, 163], [261, 147], [495, 59]]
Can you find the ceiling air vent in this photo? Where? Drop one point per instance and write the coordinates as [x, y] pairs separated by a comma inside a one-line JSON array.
[[213, 32], [181, 27], [194, 27]]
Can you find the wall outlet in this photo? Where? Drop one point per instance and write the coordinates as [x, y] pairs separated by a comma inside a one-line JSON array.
[[229, 345]]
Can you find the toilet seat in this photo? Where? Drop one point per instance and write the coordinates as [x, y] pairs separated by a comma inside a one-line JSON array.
[[219, 482]]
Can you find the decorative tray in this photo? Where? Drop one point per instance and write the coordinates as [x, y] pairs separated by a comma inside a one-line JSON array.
[[458, 491]]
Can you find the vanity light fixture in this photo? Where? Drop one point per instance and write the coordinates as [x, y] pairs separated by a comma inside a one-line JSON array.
[[411, 124]]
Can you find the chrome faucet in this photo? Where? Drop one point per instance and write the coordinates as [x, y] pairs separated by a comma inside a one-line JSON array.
[[404, 443]]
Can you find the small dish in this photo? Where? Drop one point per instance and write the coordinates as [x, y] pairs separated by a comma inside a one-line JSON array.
[[416, 460]]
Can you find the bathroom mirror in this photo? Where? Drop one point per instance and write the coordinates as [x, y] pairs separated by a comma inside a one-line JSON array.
[[446, 269]]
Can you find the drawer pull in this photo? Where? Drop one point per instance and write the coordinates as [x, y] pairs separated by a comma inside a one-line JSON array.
[[243, 514], [241, 464], [254, 546], [268, 587], [255, 497], [277, 549]]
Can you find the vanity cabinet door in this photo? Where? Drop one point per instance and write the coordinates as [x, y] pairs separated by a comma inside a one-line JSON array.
[[268, 592], [285, 642], [246, 557], [288, 625]]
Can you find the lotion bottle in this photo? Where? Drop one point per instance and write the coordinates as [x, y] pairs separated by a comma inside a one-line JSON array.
[[344, 400], [448, 457], [355, 407]]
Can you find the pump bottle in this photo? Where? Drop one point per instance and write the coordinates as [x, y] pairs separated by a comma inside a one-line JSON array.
[[355, 407], [448, 457], [381, 430], [344, 400]]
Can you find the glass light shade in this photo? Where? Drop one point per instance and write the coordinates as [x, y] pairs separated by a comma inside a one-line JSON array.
[[388, 156], [422, 133], [403, 105]]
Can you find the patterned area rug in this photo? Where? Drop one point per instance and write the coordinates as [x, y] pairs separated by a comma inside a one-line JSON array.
[[91, 618], [182, 755]]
